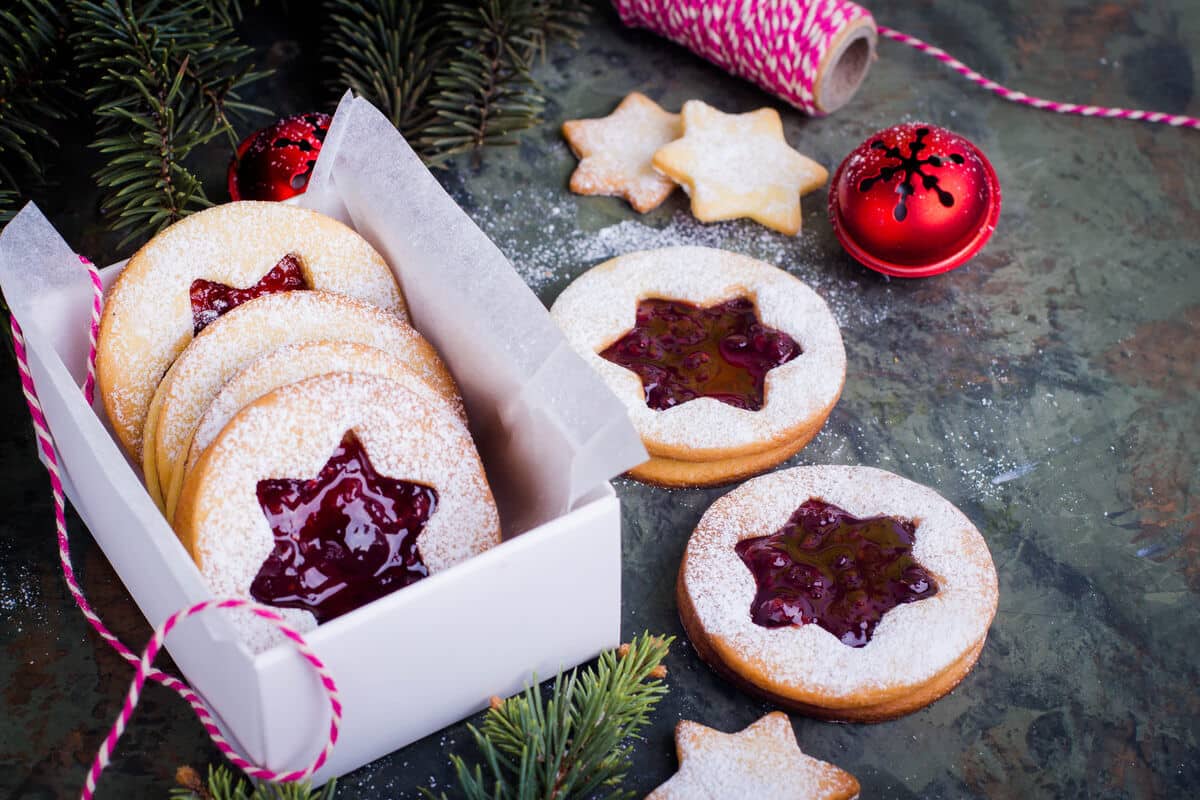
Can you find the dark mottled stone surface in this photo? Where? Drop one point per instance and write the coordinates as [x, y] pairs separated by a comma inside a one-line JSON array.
[[1048, 388]]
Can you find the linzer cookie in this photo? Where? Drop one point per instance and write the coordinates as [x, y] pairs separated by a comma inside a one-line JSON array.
[[615, 152], [739, 165], [197, 269], [296, 362], [329, 493], [727, 365], [763, 761], [249, 331], [846, 593]]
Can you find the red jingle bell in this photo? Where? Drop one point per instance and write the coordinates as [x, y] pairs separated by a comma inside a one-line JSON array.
[[914, 200], [276, 162]]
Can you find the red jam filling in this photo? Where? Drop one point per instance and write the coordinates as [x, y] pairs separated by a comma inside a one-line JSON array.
[[682, 351], [343, 538], [829, 567], [211, 299]]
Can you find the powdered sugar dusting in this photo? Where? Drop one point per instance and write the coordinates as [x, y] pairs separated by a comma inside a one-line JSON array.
[[600, 307], [762, 761], [148, 317], [291, 433], [913, 642], [296, 362], [226, 346]]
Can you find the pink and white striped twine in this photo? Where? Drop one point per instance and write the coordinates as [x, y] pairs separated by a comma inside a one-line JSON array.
[[780, 44], [143, 664], [777, 44]]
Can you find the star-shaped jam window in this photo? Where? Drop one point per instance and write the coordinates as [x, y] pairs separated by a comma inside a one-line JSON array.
[[828, 567], [615, 152], [740, 165], [763, 761], [342, 539], [211, 299], [682, 351]]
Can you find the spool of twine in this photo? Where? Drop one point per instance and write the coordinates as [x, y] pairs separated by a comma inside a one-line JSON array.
[[812, 53]]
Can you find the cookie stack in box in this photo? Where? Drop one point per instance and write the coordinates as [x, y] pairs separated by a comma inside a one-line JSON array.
[[305, 442]]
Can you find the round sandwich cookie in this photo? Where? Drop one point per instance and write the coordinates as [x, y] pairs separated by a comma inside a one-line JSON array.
[[257, 327], [197, 269], [296, 362], [726, 364], [845, 593], [326, 494]]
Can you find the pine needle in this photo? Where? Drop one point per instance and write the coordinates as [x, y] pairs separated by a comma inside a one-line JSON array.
[[388, 51], [487, 94], [573, 745], [223, 784], [453, 77], [32, 90], [165, 79]]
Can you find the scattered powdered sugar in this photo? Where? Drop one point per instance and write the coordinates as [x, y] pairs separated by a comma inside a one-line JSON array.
[[19, 589], [291, 433], [762, 761], [600, 306], [540, 231], [913, 642]]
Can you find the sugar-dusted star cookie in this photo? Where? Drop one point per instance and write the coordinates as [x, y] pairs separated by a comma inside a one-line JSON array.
[[739, 165], [761, 761], [615, 152]]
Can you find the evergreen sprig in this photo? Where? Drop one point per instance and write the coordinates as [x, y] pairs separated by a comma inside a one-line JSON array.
[[388, 51], [454, 76], [574, 745], [166, 79], [486, 92], [31, 92], [560, 20], [223, 784], [8, 206]]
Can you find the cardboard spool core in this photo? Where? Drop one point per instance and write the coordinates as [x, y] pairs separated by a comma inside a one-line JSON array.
[[845, 65]]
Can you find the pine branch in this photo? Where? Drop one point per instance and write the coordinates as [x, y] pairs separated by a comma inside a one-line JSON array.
[[31, 89], [576, 744], [388, 51], [453, 76], [486, 93], [562, 20], [166, 79], [9, 200], [228, 12], [223, 784]]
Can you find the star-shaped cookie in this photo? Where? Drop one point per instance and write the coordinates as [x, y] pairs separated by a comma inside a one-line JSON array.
[[761, 761], [615, 152], [739, 165]]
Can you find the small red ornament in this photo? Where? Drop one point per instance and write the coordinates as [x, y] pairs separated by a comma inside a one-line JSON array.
[[914, 200], [276, 162]]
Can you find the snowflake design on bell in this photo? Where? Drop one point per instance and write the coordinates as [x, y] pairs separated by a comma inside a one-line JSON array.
[[912, 166]]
